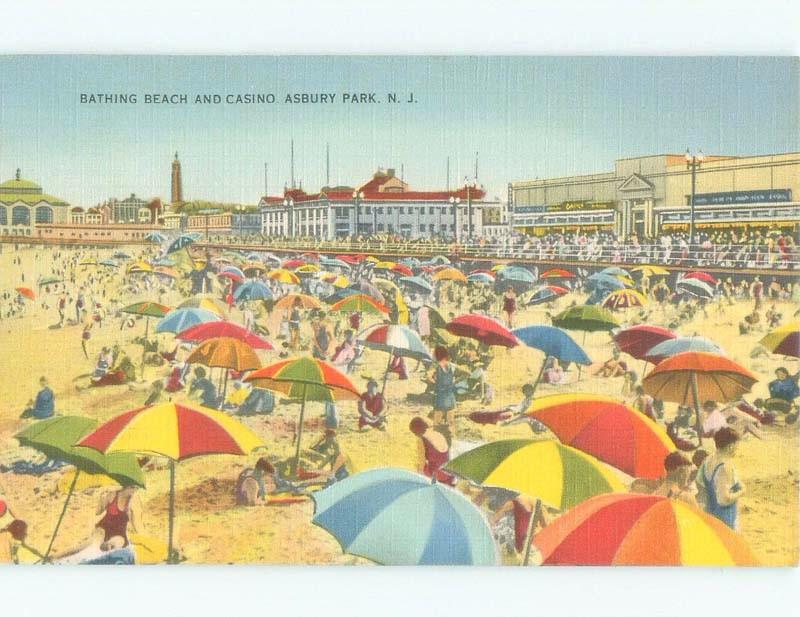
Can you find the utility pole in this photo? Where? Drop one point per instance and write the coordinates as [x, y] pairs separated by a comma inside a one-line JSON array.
[[292, 161], [327, 165], [693, 162], [448, 174], [476, 166], [266, 182]]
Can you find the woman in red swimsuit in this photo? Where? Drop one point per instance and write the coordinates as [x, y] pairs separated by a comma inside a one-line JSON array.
[[434, 451], [510, 305]]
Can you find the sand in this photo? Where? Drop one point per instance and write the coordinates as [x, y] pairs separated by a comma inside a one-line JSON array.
[[212, 529]]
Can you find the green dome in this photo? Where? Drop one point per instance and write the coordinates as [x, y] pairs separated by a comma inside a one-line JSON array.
[[15, 185]]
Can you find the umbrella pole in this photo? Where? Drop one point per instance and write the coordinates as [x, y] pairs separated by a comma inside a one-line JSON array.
[[61, 516], [170, 557], [296, 463], [144, 344], [224, 387], [580, 366], [539, 376], [529, 534], [386, 372], [696, 397]]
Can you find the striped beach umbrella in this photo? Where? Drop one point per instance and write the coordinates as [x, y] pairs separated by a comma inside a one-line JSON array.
[[640, 530], [359, 303], [214, 329], [397, 517], [252, 290], [177, 432], [183, 318], [395, 340], [207, 302], [624, 298]]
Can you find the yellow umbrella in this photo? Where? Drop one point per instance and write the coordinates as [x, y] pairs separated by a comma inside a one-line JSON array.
[[450, 274], [498, 267], [624, 298], [652, 270], [209, 303], [284, 276], [307, 269], [306, 302], [385, 265], [337, 280]]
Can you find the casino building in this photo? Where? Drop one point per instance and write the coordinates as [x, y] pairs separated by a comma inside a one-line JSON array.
[[647, 195], [23, 204], [383, 205]]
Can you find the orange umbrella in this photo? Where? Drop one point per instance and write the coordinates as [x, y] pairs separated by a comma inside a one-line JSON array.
[[450, 274], [640, 530], [608, 430], [691, 377], [225, 352], [26, 292], [306, 302]]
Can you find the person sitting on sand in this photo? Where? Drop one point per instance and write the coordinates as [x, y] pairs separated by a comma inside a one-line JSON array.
[[514, 414], [103, 364], [553, 372], [679, 483], [202, 387], [613, 367], [43, 406], [109, 544], [330, 453], [717, 474], [528, 515], [643, 403], [371, 408], [433, 451], [783, 390], [156, 393], [254, 485], [175, 380]]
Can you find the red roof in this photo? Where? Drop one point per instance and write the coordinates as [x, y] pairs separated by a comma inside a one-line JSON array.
[[300, 196]]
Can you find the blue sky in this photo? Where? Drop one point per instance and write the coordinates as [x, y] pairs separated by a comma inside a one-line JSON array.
[[527, 117]]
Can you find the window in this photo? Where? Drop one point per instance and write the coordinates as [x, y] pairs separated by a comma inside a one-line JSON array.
[[401, 210], [3, 216], [379, 210], [20, 215], [44, 214], [369, 209], [430, 211]]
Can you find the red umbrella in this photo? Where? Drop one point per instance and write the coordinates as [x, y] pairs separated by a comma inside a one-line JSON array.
[[608, 430], [702, 276], [27, 292], [351, 259], [215, 329], [557, 273], [232, 276], [483, 329], [403, 269], [638, 340], [291, 264]]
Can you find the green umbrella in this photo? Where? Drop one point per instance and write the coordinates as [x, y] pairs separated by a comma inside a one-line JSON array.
[[55, 438], [147, 309], [49, 280], [586, 318]]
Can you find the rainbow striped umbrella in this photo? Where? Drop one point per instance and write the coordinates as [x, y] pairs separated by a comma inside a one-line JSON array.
[[359, 303], [395, 340], [607, 429], [784, 341], [397, 517], [175, 431], [307, 379], [207, 302], [640, 530]]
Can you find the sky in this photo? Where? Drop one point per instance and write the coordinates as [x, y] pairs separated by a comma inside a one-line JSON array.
[[526, 117]]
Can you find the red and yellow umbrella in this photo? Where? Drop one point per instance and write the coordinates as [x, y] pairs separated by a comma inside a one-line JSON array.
[[306, 302], [214, 329], [640, 530], [557, 273], [608, 430], [307, 379], [359, 303], [175, 431]]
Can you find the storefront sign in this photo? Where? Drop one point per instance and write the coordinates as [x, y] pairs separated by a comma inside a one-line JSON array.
[[742, 197]]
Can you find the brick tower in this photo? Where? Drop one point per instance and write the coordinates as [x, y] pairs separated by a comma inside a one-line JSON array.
[[177, 184]]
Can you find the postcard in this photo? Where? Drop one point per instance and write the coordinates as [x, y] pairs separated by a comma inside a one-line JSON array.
[[520, 311]]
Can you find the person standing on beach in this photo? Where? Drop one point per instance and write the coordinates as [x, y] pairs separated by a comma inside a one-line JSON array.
[[718, 478], [443, 378]]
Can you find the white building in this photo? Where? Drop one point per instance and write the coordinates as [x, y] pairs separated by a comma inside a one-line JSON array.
[[382, 205], [23, 204]]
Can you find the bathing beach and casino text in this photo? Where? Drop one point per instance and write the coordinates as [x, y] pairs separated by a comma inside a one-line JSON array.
[[324, 98]]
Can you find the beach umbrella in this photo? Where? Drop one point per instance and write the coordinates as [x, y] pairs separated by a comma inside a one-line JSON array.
[[615, 271], [695, 287], [784, 341], [359, 303], [497, 267], [341, 293], [553, 342], [183, 318], [395, 340], [232, 270], [179, 243], [624, 298], [49, 280], [351, 259], [692, 377], [604, 281], [557, 273], [640, 530], [397, 517], [546, 293], [480, 277], [386, 286], [586, 319], [88, 262], [402, 269], [306, 302], [291, 264], [306, 379], [636, 341], [385, 265], [232, 276], [482, 328], [214, 329], [227, 353], [334, 263], [166, 271], [147, 310], [55, 438], [155, 236], [371, 290], [517, 275], [337, 280], [450, 274], [441, 260], [174, 431], [284, 276], [307, 269], [252, 290], [254, 256], [651, 270], [26, 292], [608, 429], [417, 282], [681, 344], [109, 263], [205, 302], [411, 262], [250, 269], [121, 255], [701, 276]]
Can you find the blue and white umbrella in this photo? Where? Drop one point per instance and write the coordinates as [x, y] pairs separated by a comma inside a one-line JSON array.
[[252, 290], [417, 281], [516, 274], [671, 347], [481, 277], [179, 243], [606, 281], [614, 271], [327, 262], [695, 287], [155, 236], [184, 318], [232, 270], [400, 518]]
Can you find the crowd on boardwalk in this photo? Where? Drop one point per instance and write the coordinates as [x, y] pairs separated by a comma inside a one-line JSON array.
[[240, 335]]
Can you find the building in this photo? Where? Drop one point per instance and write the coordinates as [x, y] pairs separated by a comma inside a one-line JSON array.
[[383, 204], [646, 195], [220, 222], [23, 203], [76, 233], [177, 182]]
